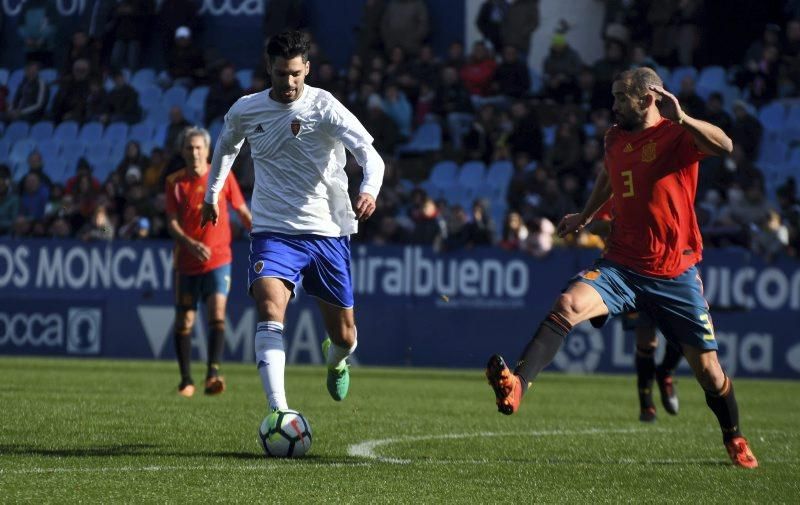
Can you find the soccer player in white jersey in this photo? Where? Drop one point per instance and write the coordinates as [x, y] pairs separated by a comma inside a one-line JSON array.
[[302, 214]]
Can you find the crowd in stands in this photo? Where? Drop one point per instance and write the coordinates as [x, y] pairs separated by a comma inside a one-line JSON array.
[[506, 150]]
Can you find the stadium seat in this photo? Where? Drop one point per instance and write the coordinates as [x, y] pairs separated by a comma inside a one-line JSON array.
[[442, 179], [215, 129], [91, 133], [21, 149], [98, 154], [5, 147], [549, 135], [66, 131], [14, 79], [18, 170], [48, 75], [149, 97], [159, 114], [102, 169], [42, 130], [116, 132], [143, 77], [791, 129], [3, 76], [176, 95], [537, 81], [472, 179], [773, 152], [56, 170], [52, 89], [50, 150], [17, 130], [71, 151], [772, 116], [141, 131], [427, 138], [498, 177], [711, 79], [118, 151], [245, 77], [196, 104], [677, 76]]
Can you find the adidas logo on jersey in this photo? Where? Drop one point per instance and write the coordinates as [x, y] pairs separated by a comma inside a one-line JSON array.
[[628, 148], [259, 129]]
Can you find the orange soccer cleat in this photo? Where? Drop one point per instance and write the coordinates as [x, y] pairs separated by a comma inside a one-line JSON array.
[[740, 453], [507, 386]]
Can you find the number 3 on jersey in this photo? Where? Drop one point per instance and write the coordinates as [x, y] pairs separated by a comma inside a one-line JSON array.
[[627, 181]]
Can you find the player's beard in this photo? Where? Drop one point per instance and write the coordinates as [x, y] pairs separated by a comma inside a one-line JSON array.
[[630, 121]]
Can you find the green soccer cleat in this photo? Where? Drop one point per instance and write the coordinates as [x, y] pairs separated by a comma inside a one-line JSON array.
[[338, 378]]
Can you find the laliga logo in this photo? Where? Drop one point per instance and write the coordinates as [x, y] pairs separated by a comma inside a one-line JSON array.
[[582, 350], [233, 7]]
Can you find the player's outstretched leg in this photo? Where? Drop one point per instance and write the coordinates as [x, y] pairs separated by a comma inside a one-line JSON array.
[[665, 379], [645, 368], [338, 379], [507, 386]]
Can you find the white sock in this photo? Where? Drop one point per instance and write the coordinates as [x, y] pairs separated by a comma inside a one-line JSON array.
[[271, 361], [337, 354]]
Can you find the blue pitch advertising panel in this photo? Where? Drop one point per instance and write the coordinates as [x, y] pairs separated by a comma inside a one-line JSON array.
[[413, 307]]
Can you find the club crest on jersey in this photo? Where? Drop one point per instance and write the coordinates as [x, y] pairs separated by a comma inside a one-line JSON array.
[[295, 127], [649, 152], [258, 267]]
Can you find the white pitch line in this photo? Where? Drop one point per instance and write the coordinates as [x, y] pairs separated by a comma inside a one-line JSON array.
[[367, 448]]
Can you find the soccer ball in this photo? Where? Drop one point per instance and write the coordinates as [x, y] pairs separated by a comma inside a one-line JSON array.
[[285, 434]]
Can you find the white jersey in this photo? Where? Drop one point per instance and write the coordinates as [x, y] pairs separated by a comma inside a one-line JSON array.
[[299, 158]]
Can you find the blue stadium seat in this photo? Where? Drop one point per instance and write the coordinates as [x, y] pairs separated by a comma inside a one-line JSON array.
[[21, 149], [549, 135], [159, 114], [42, 130], [498, 177], [71, 150], [427, 138], [773, 151], [5, 147], [56, 170], [214, 130], [176, 95], [143, 77], [98, 154], [442, 179], [118, 151], [116, 132], [711, 79], [48, 75], [149, 97], [141, 131], [3, 76], [772, 116], [50, 150], [14, 79], [91, 132], [66, 131], [791, 129], [245, 77], [52, 89], [537, 81], [472, 179], [677, 76], [17, 130], [196, 104], [102, 169], [18, 170]]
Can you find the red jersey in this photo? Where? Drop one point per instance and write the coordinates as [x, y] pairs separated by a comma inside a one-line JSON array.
[[185, 192], [605, 213], [653, 176]]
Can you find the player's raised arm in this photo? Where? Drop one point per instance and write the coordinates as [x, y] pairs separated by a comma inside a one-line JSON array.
[[709, 138], [228, 144], [600, 195]]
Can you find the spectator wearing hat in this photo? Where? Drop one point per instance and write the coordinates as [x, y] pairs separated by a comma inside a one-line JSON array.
[[172, 14], [185, 63], [561, 68]]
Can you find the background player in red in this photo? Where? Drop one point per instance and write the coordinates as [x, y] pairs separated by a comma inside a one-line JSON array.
[[202, 257], [645, 331], [651, 161]]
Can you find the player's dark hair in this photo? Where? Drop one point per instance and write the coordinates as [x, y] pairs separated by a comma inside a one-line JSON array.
[[638, 80], [288, 45]]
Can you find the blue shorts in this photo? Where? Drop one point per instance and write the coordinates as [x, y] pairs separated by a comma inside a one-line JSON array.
[[191, 289], [323, 263], [633, 320], [676, 305]]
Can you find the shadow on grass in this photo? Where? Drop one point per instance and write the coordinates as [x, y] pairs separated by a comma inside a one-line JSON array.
[[159, 451]]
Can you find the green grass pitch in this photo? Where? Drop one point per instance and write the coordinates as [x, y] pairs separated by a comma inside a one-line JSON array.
[[115, 431]]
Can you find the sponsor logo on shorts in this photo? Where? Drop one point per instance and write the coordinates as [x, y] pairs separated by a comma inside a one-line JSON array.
[[258, 267]]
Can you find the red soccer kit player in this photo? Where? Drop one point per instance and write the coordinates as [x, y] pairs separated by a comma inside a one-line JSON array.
[[656, 232], [185, 192]]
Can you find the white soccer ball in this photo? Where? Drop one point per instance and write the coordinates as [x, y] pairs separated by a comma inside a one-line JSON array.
[[285, 434]]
